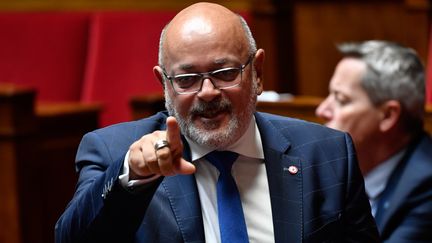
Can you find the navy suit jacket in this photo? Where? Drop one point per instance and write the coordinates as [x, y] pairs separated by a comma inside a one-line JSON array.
[[407, 214], [324, 202]]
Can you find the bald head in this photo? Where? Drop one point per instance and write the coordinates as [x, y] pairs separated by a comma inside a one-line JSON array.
[[201, 21], [202, 26], [206, 12]]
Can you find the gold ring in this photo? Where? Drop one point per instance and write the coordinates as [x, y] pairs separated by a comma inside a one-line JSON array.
[[162, 143]]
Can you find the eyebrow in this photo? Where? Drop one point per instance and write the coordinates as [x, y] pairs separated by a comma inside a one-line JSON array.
[[220, 61], [186, 66]]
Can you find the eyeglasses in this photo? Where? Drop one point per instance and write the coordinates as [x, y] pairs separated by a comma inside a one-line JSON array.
[[190, 83]]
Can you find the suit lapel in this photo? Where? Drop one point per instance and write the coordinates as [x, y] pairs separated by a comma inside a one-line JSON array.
[[396, 198], [183, 195], [285, 196], [402, 191], [285, 183]]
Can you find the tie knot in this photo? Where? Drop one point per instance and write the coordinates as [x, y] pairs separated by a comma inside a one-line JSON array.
[[222, 160]]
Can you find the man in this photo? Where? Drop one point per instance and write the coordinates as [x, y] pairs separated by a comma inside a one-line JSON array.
[[157, 179], [377, 95]]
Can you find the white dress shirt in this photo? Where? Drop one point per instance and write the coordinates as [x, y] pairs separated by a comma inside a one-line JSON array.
[[376, 180], [250, 175]]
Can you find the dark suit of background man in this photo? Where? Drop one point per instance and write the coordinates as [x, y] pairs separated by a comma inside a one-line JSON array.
[[147, 180], [377, 94]]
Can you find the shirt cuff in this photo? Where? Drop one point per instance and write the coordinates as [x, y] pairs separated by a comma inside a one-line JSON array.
[[131, 185]]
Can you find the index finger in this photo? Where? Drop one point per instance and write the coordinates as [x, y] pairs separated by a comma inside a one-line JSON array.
[[173, 134]]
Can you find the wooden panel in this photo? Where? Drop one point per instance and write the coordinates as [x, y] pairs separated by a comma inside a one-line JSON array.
[[15, 105], [320, 25], [301, 107], [38, 144], [146, 105], [265, 33], [300, 36], [428, 119], [273, 29], [9, 205]]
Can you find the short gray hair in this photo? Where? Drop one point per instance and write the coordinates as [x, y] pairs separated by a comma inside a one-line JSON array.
[[248, 33], [394, 72]]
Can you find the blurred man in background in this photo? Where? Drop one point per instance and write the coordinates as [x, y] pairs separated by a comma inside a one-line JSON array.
[[377, 94]]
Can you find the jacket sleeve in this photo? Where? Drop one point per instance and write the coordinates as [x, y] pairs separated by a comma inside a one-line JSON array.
[[101, 210], [416, 224]]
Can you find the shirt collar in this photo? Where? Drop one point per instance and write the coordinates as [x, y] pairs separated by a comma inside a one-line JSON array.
[[249, 144], [376, 180]]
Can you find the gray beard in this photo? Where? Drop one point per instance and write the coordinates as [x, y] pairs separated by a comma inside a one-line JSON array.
[[206, 136]]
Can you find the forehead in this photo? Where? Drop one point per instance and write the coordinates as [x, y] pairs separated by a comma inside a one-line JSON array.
[[348, 74], [200, 38]]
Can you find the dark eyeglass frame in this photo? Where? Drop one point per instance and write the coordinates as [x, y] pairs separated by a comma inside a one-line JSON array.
[[211, 76]]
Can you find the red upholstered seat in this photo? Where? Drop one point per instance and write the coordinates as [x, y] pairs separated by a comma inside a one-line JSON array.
[[44, 50], [122, 53], [103, 57]]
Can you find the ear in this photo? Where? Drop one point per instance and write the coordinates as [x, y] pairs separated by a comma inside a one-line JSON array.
[[259, 66], [157, 71], [391, 111]]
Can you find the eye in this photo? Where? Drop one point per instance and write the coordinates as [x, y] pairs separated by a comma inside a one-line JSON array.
[[186, 80], [341, 99], [226, 74]]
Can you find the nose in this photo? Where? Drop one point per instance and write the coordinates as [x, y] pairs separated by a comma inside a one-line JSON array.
[[208, 90], [324, 110]]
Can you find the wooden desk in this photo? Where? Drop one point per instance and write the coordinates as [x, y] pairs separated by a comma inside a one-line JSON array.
[[146, 105], [38, 143], [301, 107]]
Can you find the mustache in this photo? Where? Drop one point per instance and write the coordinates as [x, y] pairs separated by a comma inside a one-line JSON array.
[[211, 108]]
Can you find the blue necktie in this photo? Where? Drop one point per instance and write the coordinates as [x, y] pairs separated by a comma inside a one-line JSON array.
[[232, 224]]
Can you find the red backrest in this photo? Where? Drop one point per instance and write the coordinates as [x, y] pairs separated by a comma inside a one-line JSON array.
[[122, 53], [44, 50]]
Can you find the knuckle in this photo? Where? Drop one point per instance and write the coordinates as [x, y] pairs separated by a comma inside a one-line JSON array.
[[163, 154], [158, 133], [141, 166], [133, 159], [152, 163], [134, 146]]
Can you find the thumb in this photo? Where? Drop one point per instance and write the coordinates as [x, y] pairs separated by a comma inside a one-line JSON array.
[[185, 167]]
